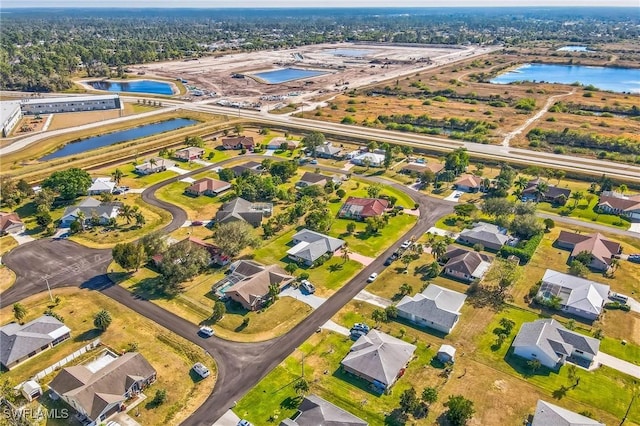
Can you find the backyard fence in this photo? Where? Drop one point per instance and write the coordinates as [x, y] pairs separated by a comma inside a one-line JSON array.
[[66, 360]]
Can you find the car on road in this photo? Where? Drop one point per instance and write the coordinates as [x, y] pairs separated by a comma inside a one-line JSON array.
[[244, 422], [202, 371], [206, 331], [372, 277], [406, 244], [307, 287], [394, 256]]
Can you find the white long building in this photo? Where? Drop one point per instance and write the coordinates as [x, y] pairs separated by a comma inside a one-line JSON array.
[[10, 115], [36, 106]]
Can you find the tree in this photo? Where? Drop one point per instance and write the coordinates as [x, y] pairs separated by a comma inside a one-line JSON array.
[[291, 267], [283, 169], [117, 176], [391, 311], [160, 397], [426, 177], [19, 312], [584, 257], [521, 183], [44, 218], [534, 365], [525, 226], [430, 395], [351, 227], [239, 128], [497, 207], [408, 400], [460, 410], [130, 256], [571, 324], [405, 289], [522, 208], [319, 220], [219, 309], [375, 224], [345, 253], [126, 212], [622, 188], [373, 191], [379, 315], [578, 269], [465, 210], [68, 183], [548, 224], [507, 325], [226, 175], [181, 262], [45, 197], [457, 160], [232, 237], [341, 193], [301, 386], [312, 141], [139, 218], [434, 269], [439, 248], [541, 188], [153, 243], [406, 260], [102, 320], [576, 196]]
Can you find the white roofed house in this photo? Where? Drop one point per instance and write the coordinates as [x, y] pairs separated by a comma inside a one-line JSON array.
[[101, 185], [154, 165], [490, 236], [311, 246], [578, 296], [371, 158], [90, 208], [548, 414], [436, 307]]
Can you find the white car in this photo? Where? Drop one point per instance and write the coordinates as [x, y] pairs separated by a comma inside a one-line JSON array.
[[307, 286], [406, 245], [206, 331], [200, 368], [372, 277]]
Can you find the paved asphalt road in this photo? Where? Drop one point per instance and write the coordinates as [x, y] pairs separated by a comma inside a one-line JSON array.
[[240, 365]]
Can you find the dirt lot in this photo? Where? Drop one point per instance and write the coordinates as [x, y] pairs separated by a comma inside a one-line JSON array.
[[379, 62]]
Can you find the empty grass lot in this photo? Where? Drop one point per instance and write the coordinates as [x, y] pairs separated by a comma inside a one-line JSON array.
[[171, 355], [7, 243], [7, 278]]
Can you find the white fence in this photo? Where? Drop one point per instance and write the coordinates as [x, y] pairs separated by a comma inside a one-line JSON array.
[[66, 360]]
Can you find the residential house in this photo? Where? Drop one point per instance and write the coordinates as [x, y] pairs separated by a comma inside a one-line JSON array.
[[615, 203], [373, 159], [327, 150], [154, 165], [276, 143], [548, 414], [99, 393], [21, 342], [436, 307], [490, 236], [578, 296], [91, 209], [378, 358], [362, 208], [446, 353], [239, 142], [468, 183], [311, 246], [315, 411], [466, 265], [310, 179], [10, 223], [602, 250], [189, 154], [248, 283], [553, 194], [241, 209], [550, 343], [248, 167], [101, 185], [208, 186], [415, 169]]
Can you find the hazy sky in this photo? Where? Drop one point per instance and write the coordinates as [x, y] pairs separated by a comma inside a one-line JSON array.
[[308, 3]]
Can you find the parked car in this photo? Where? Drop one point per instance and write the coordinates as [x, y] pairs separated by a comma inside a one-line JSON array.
[[206, 331], [619, 297], [117, 192], [406, 245], [358, 329], [389, 260], [196, 223], [313, 162], [372, 277], [244, 422], [307, 286], [202, 371], [634, 258]]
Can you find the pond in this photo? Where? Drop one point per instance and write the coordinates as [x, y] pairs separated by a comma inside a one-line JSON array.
[[118, 137], [354, 53], [604, 78], [287, 74], [135, 86], [574, 49]]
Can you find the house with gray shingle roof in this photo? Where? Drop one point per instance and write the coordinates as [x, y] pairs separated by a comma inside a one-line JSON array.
[[91, 207], [315, 411], [552, 344], [548, 414], [378, 358], [21, 342], [578, 296], [436, 307], [98, 393], [466, 265], [311, 246], [241, 209], [489, 235]]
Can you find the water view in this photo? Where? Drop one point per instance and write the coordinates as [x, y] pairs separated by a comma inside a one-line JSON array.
[[574, 49], [604, 78], [355, 53], [117, 137], [138, 86], [287, 74]]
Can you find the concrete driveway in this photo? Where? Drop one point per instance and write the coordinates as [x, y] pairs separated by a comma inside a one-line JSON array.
[[618, 364], [365, 260], [454, 196], [22, 238], [635, 226], [310, 299]]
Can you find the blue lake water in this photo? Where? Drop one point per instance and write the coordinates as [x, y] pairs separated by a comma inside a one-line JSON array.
[[287, 74], [117, 137], [574, 49], [355, 53], [138, 86], [604, 78]]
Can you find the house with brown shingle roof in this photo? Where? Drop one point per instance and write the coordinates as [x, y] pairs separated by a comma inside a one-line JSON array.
[[239, 142], [602, 250], [416, 169], [468, 183], [10, 223], [249, 283], [466, 265], [99, 393], [620, 205], [208, 186], [553, 194], [362, 208]]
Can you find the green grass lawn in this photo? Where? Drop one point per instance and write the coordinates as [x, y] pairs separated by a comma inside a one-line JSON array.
[[585, 211], [604, 388], [203, 207], [7, 243]]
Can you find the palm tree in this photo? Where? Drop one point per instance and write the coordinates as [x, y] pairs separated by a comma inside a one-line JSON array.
[[345, 253], [126, 212], [438, 249], [102, 320], [81, 217], [576, 196], [521, 183], [541, 189], [19, 311], [622, 188], [406, 289], [117, 176], [301, 387], [153, 162], [140, 220], [615, 263]]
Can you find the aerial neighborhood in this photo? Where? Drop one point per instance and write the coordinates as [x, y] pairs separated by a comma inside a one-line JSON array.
[[276, 217]]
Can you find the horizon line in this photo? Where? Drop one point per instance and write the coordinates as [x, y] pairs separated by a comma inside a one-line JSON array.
[[314, 7]]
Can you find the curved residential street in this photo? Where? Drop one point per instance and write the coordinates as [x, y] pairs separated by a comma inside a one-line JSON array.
[[240, 365]]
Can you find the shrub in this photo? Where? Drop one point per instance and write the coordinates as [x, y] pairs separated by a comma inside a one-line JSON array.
[[525, 252]]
